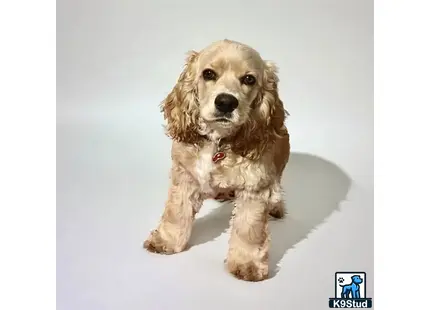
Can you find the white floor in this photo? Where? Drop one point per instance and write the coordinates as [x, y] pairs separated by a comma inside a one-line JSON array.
[[113, 158]]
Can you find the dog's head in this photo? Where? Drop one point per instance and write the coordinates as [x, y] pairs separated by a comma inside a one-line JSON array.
[[357, 279], [226, 91]]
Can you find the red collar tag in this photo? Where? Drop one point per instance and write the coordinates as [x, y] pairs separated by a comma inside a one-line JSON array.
[[218, 156]]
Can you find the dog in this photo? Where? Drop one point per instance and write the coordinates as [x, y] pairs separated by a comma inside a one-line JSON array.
[[226, 121], [352, 290]]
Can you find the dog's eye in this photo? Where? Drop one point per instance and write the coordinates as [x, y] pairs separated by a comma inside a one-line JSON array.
[[209, 75], [248, 80]]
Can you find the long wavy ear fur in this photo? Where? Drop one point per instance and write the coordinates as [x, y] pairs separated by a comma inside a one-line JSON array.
[[266, 122], [180, 106]]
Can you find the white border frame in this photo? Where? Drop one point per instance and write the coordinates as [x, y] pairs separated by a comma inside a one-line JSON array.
[[402, 88], [27, 162], [27, 159]]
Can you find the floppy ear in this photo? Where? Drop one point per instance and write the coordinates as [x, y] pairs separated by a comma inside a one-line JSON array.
[[180, 107], [266, 122]]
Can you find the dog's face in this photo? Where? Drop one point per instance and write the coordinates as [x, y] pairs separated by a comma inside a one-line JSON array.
[[229, 77], [226, 91], [357, 279]]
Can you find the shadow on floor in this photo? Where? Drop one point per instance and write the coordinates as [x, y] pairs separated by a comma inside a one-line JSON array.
[[313, 187]]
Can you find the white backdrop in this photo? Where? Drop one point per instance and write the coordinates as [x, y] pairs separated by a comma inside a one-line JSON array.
[[117, 60]]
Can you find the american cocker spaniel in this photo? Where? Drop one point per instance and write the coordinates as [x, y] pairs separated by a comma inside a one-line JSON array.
[[229, 140]]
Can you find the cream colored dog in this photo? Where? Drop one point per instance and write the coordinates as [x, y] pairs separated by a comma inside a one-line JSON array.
[[226, 121]]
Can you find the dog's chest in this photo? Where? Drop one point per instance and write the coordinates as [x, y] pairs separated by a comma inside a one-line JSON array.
[[206, 168]]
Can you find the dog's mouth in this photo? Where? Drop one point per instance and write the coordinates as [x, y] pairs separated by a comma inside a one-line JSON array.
[[222, 120], [223, 117], [219, 119]]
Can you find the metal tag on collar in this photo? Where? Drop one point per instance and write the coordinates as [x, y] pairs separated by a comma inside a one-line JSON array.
[[219, 155]]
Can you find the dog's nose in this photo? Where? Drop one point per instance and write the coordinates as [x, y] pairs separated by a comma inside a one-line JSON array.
[[226, 103]]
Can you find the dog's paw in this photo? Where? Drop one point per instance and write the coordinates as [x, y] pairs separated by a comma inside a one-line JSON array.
[[156, 244], [277, 212], [248, 271]]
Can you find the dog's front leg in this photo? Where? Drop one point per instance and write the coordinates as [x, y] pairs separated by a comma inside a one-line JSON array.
[[247, 257], [356, 293], [184, 201]]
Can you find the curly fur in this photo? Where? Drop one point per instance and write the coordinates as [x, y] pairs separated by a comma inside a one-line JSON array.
[[256, 143], [180, 106], [263, 128]]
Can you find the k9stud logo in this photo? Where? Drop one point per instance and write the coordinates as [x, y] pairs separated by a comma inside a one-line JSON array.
[[350, 291]]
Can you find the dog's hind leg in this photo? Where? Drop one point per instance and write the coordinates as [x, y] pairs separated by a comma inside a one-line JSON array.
[[277, 210], [345, 292], [276, 204]]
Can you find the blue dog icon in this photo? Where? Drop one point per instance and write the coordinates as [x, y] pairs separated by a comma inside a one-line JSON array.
[[352, 290]]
